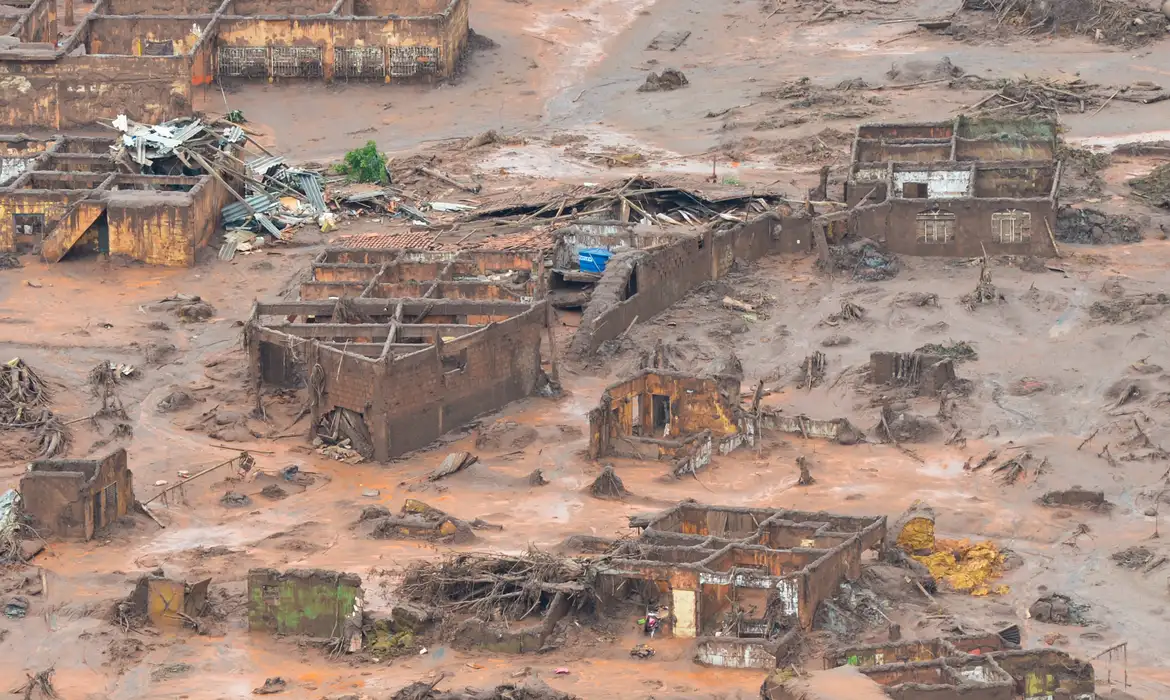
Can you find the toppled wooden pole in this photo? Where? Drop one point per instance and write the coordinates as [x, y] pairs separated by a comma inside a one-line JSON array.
[[474, 189]]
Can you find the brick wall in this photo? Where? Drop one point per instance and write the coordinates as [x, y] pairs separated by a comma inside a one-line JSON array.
[[663, 276]]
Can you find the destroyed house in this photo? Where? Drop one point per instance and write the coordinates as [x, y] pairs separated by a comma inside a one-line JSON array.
[[743, 581], [982, 667], [421, 274], [670, 416], [77, 498], [583, 250], [393, 374], [955, 188], [145, 58], [69, 195]]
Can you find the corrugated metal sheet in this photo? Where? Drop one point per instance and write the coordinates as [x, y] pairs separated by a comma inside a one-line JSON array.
[[268, 225], [261, 165], [311, 186], [233, 134], [236, 211]]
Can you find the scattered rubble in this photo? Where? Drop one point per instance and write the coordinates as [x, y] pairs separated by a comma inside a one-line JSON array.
[[914, 71], [175, 401], [1134, 558], [1076, 497], [452, 464], [1092, 226], [1059, 609], [1154, 188], [905, 427], [1129, 309], [669, 79], [271, 686], [955, 350], [863, 260], [505, 435], [531, 689], [189, 308], [232, 499], [849, 312], [416, 520]]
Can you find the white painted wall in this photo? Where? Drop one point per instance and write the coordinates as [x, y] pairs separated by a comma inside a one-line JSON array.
[[940, 184]]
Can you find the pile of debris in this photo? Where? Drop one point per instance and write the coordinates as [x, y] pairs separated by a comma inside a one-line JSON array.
[[271, 198], [1154, 188], [500, 586], [1093, 226], [985, 291], [669, 79], [1134, 308], [640, 200], [532, 689], [1058, 609], [846, 100], [417, 520], [1108, 21], [956, 350], [864, 260], [342, 435], [1051, 97], [24, 405]]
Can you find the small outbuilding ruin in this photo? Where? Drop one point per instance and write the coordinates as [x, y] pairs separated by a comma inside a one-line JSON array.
[[670, 416], [77, 498], [307, 602], [69, 194], [985, 667]]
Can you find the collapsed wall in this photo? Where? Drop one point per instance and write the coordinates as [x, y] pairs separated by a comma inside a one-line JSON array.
[[638, 285]]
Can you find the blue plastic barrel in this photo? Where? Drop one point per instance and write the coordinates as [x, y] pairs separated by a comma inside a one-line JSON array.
[[594, 259]]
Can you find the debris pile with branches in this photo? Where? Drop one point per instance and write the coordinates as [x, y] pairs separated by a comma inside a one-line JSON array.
[[985, 292], [499, 586], [1051, 97], [24, 404], [1106, 21]]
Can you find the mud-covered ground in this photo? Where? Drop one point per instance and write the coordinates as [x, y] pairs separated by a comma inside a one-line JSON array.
[[561, 87]]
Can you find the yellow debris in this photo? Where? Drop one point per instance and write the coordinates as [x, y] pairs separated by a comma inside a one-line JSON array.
[[966, 567], [917, 536]]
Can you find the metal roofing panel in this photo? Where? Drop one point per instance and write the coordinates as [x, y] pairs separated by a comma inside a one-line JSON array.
[[262, 164], [311, 185], [236, 211]]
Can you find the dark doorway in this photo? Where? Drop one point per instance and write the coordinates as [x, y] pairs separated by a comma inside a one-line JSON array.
[[97, 511], [632, 284], [914, 190], [660, 406]]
